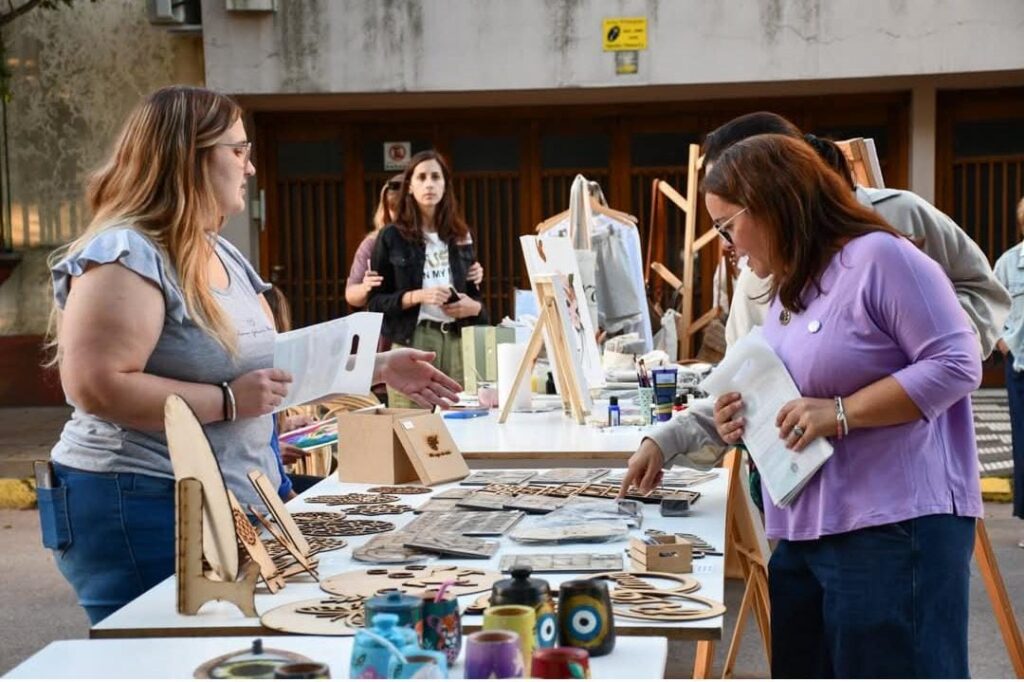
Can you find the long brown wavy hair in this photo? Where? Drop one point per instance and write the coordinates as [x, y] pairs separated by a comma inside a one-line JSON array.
[[157, 182], [447, 218], [807, 209]]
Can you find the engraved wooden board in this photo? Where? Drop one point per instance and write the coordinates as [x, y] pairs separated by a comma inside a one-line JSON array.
[[465, 522], [568, 475], [389, 548], [454, 544], [563, 563], [487, 477], [413, 579]]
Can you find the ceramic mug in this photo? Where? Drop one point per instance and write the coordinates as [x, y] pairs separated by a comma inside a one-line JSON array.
[[516, 618], [407, 607], [493, 654], [442, 628], [561, 663], [585, 618], [419, 664]]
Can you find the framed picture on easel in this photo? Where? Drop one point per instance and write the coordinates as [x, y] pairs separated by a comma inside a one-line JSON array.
[[555, 256]]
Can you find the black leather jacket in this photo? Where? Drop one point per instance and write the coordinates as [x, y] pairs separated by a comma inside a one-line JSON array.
[[400, 263]]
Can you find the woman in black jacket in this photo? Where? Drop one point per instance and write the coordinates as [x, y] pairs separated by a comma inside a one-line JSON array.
[[424, 258]]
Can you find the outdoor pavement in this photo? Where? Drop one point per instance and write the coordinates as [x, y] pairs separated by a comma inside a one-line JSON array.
[[40, 607]]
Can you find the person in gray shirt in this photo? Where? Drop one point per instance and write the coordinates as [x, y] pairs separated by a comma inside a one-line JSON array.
[[692, 436], [151, 301]]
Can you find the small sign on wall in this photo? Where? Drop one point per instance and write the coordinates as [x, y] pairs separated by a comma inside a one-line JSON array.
[[396, 155], [624, 33]]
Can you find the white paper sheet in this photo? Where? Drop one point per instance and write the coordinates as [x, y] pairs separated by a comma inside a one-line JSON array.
[[752, 369], [319, 359]]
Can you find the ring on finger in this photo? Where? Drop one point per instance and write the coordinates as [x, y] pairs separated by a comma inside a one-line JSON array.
[[798, 431]]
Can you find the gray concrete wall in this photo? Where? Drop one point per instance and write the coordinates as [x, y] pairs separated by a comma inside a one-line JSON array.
[[344, 46]]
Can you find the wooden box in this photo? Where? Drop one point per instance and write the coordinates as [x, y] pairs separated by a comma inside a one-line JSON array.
[[665, 554], [387, 445]]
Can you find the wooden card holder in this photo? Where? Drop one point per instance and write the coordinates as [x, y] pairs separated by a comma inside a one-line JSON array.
[[665, 554], [287, 532], [196, 586], [573, 390]]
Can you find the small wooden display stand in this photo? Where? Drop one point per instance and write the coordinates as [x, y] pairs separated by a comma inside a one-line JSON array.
[[569, 382], [197, 586]]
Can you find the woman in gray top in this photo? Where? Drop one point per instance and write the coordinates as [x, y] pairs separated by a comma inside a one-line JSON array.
[[151, 301]]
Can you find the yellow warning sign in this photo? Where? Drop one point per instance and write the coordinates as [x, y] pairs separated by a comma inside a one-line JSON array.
[[624, 33]]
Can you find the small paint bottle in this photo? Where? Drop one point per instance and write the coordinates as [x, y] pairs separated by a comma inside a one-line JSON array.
[[614, 413]]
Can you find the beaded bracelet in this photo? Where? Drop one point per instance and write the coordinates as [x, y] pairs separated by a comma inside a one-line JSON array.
[[842, 426]]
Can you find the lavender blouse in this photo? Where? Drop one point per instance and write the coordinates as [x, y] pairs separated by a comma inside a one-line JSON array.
[[886, 309]]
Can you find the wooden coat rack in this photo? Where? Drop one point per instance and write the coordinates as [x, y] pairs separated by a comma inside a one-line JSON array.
[[687, 326], [560, 355]]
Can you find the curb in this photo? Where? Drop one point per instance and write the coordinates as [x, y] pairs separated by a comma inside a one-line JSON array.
[[995, 489], [17, 493]]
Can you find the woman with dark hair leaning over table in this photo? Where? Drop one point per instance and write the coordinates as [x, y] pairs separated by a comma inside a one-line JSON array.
[[151, 301], [870, 575]]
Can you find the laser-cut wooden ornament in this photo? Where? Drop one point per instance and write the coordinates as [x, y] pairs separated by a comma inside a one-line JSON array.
[[400, 490], [351, 499], [333, 616], [413, 579], [333, 524], [377, 509]]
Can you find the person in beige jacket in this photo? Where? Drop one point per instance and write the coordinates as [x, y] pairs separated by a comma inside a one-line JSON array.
[[691, 436]]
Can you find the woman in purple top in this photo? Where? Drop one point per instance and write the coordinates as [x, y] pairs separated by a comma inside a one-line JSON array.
[[870, 575]]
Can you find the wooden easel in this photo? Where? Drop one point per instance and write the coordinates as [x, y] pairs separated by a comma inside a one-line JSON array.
[[550, 321], [863, 159], [692, 244], [195, 587]]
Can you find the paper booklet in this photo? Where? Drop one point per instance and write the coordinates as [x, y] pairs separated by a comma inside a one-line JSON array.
[[752, 369], [320, 360]]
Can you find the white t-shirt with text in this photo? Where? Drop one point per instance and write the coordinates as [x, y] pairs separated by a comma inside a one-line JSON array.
[[437, 272]]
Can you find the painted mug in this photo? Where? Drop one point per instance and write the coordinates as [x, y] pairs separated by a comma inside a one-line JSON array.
[[585, 617], [442, 627], [516, 618], [419, 664], [302, 671], [407, 607], [493, 654], [561, 663]]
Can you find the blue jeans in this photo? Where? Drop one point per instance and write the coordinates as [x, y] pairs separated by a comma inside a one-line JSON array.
[[112, 534], [886, 601], [1015, 394]]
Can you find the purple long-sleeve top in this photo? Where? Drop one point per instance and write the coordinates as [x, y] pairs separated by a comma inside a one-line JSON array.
[[886, 309]]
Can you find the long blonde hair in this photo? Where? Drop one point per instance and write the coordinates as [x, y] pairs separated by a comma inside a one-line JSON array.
[[157, 182]]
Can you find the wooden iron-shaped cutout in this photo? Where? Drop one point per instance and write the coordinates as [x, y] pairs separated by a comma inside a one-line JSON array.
[[249, 536], [304, 563], [192, 457], [430, 448], [277, 509], [413, 579], [333, 616], [194, 587]]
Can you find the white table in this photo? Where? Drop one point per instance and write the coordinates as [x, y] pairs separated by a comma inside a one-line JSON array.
[[542, 436], [633, 657], [153, 614]]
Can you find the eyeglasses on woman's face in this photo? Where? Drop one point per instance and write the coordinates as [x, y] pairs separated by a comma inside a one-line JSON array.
[[243, 150], [722, 226]]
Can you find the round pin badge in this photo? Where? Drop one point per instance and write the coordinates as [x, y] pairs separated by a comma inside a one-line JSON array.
[[814, 326]]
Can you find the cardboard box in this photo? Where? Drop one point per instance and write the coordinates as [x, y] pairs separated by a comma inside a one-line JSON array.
[[388, 446], [666, 554], [480, 353]]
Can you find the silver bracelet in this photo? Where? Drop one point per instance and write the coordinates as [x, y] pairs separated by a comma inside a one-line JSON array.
[[843, 426], [230, 406]]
